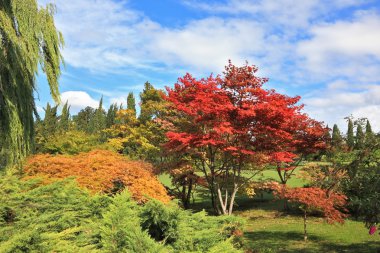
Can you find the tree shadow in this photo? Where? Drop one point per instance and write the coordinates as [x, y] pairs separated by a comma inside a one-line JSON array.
[[292, 242]]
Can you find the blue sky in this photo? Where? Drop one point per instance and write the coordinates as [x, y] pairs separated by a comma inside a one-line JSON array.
[[325, 51]]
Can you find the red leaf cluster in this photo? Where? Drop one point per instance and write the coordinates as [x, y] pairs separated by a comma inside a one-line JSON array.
[[236, 114], [98, 171], [330, 204]]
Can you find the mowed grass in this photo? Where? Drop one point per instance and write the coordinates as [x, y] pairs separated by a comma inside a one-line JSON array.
[[269, 229]]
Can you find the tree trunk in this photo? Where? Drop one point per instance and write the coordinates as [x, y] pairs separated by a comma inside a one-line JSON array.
[[222, 203], [232, 200], [304, 226]]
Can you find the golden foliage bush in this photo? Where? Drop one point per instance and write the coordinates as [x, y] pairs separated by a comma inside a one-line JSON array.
[[100, 171]]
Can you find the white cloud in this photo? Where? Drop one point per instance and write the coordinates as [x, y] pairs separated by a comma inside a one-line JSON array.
[[78, 100], [295, 42], [333, 104], [208, 43], [344, 48]]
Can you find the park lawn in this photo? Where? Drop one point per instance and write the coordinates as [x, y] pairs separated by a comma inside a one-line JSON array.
[[273, 231], [268, 229], [294, 181]]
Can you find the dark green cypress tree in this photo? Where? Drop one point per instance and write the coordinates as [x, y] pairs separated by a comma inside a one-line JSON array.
[[359, 137], [350, 135], [64, 121], [50, 122], [98, 121], [131, 102], [368, 130], [336, 139], [111, 115], [28, 40]]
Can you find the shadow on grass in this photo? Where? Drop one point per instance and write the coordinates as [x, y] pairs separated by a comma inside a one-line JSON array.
[[292, 242]]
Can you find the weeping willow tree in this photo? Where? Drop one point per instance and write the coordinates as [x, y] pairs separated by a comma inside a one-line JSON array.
[[29, 41]]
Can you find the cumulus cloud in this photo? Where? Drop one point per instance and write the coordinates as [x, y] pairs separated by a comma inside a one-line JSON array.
[[344, 48], [78, 100], [335, 103], [298, 43]]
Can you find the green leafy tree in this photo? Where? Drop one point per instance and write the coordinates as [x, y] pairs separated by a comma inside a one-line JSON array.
[[50, 122], [350, 134], [336, 139], [152, 103], [98, 121], [369, 135], [83, 118], [111, 115], [363, 185], [360, 137], [131, 102], [64, 121], [28, 39]]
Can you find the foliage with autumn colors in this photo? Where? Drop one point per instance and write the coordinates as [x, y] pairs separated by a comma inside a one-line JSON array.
[[100, 171], [230, 123], [330, 204]]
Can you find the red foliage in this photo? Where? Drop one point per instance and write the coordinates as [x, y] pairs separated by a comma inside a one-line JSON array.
[[234, 113], [98, 171], [315, 198]]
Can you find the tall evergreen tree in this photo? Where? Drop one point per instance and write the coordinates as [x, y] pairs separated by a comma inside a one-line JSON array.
[[336, 139], [350, 134], [359, 137], [64, 121], [98, 122], [28, 39], [50, 122], [111, 115], [131, 102], [368, 130]]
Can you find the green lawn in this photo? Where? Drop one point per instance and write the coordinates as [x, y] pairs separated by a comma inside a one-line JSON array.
[[268, 229]]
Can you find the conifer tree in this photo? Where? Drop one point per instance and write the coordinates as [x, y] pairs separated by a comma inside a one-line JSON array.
[[111, 115], [50, 122], [350, 134], [98, 122], [28, 39], [368, 131], [336, 139], [64, 121], [359, 137], [131, 103]]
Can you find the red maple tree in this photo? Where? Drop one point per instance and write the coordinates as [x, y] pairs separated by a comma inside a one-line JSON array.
[[230, 123], [329, 204]]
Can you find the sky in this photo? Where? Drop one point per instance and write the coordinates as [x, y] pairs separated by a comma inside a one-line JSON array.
[[326, 51]]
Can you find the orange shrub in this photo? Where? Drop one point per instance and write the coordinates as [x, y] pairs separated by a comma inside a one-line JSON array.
[[99, 171]]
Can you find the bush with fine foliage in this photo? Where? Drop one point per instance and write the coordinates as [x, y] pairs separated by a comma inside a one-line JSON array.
[[56, 217], [100, 171], [184, 231], [61, 217]]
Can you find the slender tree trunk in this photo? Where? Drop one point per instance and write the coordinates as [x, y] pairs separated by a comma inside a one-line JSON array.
[[304, 226], [232, 200], [222, 203]]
